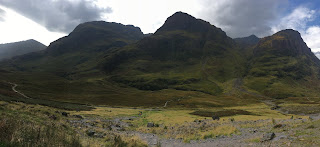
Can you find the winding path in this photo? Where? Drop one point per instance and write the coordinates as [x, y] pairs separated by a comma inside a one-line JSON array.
[[16, 91]]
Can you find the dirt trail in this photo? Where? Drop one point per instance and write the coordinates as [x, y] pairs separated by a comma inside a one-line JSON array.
[[16, 91]]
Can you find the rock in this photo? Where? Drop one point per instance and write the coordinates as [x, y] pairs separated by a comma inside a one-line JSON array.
[[267, 137], [215, 118], [149, 125], [91, 133], [78, 116], [275, 107], [4, 104], [278, 126], [280, 137], [64, 114], [99, 135], [53, 117]]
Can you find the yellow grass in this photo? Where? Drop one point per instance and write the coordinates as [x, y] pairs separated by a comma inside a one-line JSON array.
[[108, 112]]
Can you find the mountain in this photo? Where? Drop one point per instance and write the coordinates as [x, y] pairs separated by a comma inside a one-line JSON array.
[[80, 51], [187, 61], [184, 54], [282, 66], [247, 41], [10, 50]]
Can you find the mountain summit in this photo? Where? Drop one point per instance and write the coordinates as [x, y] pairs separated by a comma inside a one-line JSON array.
[[285, 42], [184, 21]]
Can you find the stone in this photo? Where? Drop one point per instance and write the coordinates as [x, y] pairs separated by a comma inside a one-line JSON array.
[[64, 114], [275, 107], [149, 125], [267, 137], [90, 133], [215, 118], [78, 116], [53, 117], [278, 126]]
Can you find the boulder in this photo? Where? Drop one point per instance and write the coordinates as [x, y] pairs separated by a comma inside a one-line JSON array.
[[53, 117], [91, 133], [215, 118], [64, 114], [149, 125], [267, 137], [275, 107], [78, 116]]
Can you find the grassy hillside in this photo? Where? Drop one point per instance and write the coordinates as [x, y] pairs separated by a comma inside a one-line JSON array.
[[283, 66]]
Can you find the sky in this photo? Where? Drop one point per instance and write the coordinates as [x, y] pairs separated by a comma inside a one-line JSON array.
[[48, 20]]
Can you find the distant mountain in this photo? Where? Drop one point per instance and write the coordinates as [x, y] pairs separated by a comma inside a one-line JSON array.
[[19, 48], [247, 41]]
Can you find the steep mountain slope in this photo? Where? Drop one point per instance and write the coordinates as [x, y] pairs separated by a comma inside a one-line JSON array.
[[10, 50], [283, 66], [184, 54]]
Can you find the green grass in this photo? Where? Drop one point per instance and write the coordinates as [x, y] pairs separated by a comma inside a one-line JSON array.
[[27, 128]]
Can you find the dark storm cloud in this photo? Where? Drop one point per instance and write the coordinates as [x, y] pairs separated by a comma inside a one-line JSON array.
[[57, 15], [2, 14], [241, 18]]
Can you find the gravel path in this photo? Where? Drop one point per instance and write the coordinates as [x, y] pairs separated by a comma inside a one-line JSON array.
[[16, 91]]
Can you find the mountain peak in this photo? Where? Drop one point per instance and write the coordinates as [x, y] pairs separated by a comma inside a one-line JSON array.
[[247, 41], [184, 21], [285, 43]]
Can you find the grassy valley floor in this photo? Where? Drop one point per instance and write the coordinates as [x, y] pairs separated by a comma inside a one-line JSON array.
[[245, 125]]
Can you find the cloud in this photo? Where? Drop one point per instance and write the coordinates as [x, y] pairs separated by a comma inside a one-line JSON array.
[[312, 37], [58, 15], [241, 18], [2, 15], [298, 20]]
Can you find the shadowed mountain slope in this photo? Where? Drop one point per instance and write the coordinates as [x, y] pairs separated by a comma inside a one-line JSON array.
[[184, 54]]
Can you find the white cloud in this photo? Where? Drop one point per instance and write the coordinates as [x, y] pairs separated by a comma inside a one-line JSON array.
[[149, 15], [58, 15], [298, 20], [18, 28], [241, 18], [312, 38]]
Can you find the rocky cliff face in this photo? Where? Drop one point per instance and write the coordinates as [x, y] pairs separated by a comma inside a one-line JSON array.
[[284, 43]]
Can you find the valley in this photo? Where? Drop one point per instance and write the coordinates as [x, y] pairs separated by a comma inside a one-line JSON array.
[[188, 84]]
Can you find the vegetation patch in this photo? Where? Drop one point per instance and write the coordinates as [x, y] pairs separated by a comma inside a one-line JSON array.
[[16, 131], [223, 113], [55, 104]]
